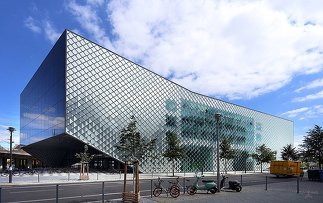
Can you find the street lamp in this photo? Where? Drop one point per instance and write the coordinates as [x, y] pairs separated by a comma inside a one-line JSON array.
[[218, 118], [11, 129]]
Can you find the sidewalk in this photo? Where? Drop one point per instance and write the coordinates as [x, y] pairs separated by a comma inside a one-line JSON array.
[[254, 194], [58, 178]]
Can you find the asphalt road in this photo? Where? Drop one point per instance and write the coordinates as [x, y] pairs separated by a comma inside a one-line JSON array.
[[92, 191]]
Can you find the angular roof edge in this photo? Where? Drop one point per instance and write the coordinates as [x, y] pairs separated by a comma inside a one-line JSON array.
[[67, 30]]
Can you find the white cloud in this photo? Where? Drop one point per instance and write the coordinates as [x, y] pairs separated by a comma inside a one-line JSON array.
[[318, 95], [90, 21], [226, 48], [312, 85], [295, 112], [31, 24], [305, 112], [50, 32], [45, 27], [95, 2], [233, 49]]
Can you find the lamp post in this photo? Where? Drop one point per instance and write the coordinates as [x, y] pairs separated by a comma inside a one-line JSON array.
[[11, 129], [218, 118]]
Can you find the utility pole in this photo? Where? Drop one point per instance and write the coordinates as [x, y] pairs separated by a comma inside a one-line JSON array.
[[11, 129], [218, 120]]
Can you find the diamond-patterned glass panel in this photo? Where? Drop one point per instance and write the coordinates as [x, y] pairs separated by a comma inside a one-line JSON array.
[[104, 89]]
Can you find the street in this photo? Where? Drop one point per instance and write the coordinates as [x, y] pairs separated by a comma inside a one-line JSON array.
[[92, 191]]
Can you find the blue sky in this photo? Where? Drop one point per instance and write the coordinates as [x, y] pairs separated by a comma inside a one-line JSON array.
[[264, 55]]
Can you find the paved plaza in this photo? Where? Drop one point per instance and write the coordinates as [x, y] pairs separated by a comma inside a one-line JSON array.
[[276, 193]]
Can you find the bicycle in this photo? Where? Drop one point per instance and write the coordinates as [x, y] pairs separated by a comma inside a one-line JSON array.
[[159, 188], [179, 186]]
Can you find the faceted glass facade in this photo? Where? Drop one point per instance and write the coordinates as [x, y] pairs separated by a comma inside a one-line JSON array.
[[42, 102], [104, 89]]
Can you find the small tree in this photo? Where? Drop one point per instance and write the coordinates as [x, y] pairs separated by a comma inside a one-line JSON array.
[[173, 149], [263, 155], [85, 159], [289, 153], [131, 145], [84, 156], [312, 147], [226, 152]]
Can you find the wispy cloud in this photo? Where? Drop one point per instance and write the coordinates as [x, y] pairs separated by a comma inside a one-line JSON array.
[[95, 2], [31, 24], [44, 26], [305, 112], [311, 85], [235, 49], [90, 21], [318, 95], [50, 32], [295, 112]]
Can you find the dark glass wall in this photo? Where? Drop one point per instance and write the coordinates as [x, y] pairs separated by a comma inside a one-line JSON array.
[[42, 102]]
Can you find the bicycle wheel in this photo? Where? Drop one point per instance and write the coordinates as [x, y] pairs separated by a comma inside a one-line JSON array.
[[176, 186], [157, 191], [174, 192]]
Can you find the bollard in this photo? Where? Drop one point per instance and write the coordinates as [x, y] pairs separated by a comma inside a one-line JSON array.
[[56, 193], [297, 184], [266, 183], [97, 175], [38, 176], [120, 174], [184, 185], [0, 195], [241, 180], [151, 188], [68, 176], [102, 192]]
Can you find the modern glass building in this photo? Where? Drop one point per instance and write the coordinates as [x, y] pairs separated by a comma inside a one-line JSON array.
[[83, 93]]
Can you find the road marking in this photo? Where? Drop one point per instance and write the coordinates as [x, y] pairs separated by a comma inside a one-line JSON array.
[[72, 197]]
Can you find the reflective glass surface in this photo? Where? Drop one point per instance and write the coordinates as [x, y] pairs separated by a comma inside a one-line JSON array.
[[42, 102], [104, 89]]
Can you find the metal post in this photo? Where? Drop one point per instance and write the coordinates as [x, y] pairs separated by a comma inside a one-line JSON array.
[[102, 192], [0, 194], [218, 117], [38, 176], [266, 183], [11, 129], [241, 180], [68, 177], [97, 175], [56, 193], [184, 185], [151, 188], [297, 184]]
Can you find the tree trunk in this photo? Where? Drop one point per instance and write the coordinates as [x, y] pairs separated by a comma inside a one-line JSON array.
[[225, 166], [260, 167], [173, 168]]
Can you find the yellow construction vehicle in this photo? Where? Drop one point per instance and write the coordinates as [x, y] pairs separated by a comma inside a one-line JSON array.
[[286, 168]]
